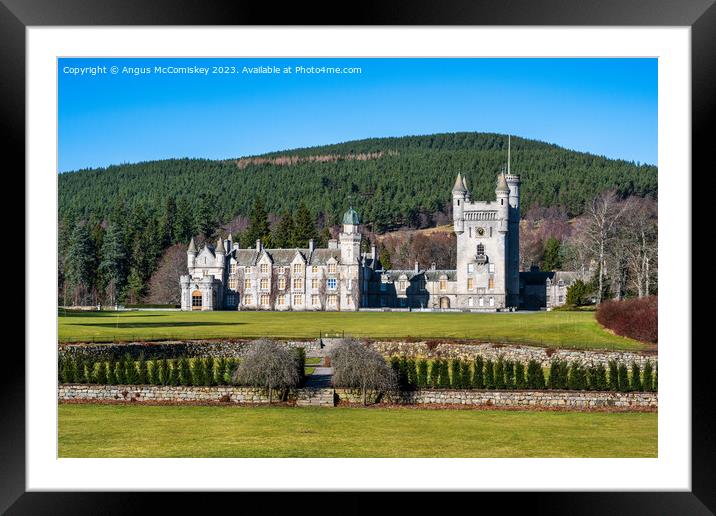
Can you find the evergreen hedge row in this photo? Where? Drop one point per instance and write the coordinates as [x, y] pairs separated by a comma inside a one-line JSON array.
[[505, 374]]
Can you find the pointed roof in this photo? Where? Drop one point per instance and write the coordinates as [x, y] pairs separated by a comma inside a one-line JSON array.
[[459, 185], [502, 184], [192, 246], [220, 245]]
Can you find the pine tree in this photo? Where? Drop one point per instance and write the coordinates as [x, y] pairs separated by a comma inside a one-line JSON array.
[[456, 376], [601, 375], [152, 376], [113, 264], [119, 376], [130, 370], [162, 377], [412, 374], [623, 375], [489, 375], [167, 222], [535, 375], [554, 381], [172, 372], [500, 374], [636, 384], [509, 374], [444, 375], [520, 382], [142, 370], [435, 369], [552, 259], [184, 371], [101, 373], [613, 376], [79, 266], [183, 223], [305, 228], [466, 377], [204, 217], [423, 373], [258, 226], [284, 232], [478, 377], [111, 380], [648, 383], [577, 377]]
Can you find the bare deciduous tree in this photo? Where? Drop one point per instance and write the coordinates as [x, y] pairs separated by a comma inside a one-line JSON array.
[[164, 284], [602, 217], [359, 367], [270, 366], [641, 250]]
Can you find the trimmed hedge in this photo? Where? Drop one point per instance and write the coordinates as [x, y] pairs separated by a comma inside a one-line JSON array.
[[441, 374]]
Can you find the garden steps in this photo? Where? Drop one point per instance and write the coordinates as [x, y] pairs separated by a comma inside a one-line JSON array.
[[316, 397]]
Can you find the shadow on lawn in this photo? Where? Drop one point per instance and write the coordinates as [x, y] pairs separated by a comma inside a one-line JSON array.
[[122, 315], [123, 325]]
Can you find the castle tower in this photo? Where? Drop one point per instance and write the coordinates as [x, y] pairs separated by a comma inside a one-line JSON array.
[[459, 193], [513, 246], [350, 237]]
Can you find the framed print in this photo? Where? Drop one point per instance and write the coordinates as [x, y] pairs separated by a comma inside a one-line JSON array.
[[421, 253]]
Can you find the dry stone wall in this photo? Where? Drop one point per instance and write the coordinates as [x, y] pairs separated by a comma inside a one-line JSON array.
[[325, 397], [523, 354], [514, 398]]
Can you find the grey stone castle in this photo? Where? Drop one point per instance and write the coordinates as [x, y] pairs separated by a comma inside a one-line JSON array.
[[342, 278]]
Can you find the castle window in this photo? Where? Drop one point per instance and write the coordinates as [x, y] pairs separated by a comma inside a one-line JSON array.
[[492, 301], [481, 302], [333, 300], [282, 283], [196, 299], [281, 300], [480, 249], [231, 300], [469, 232], [247, 283], [282, 270], [232, 268], [264, 283], [470, 268], [232, 283], [297, 284], [264, 268], [402, 284], [315, 300], [297, 299], [314, 269], [314, 283], [349, 284], [491, 283], [491, 267], [297, 268], [470, 302], [443, 284], [248, 299], [332, 282], [470, 284], [264, 299], [331, 268]]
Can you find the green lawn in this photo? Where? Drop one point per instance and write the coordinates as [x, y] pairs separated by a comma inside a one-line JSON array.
[[217, 431], [549, 329]]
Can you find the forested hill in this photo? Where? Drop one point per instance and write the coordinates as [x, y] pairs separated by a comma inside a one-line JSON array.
[[390, 181]]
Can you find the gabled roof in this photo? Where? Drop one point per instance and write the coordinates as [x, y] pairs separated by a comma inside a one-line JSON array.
[[321, 256]]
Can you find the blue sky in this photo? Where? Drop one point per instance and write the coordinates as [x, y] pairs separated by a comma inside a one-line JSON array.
[[603, 106]]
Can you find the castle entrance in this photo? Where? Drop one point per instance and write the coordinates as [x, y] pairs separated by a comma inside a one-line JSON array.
[[444, 302]]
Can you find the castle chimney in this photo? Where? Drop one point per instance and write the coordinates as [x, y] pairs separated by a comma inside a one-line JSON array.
[[258, 245], [417, 267], [373, 253], [310, 246]]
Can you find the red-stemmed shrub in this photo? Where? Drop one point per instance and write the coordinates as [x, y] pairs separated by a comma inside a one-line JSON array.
[[634, 318]]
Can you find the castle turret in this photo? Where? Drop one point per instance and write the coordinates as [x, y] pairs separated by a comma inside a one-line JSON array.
[[513, 246], [502, 193], [220, 252], [459, 193], [191, 254], [350, 237]]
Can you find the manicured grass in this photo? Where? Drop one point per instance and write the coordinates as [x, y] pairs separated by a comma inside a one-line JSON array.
[[549, 329], [217, 431]]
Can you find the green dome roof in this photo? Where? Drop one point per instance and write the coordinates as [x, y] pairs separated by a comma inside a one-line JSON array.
[[351, 217]]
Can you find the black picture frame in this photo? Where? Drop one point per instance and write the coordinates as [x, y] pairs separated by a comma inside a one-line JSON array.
[[700, 15]]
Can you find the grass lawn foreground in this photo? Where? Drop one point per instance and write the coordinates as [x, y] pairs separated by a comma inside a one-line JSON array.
[[215, 431], [578, 330]]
